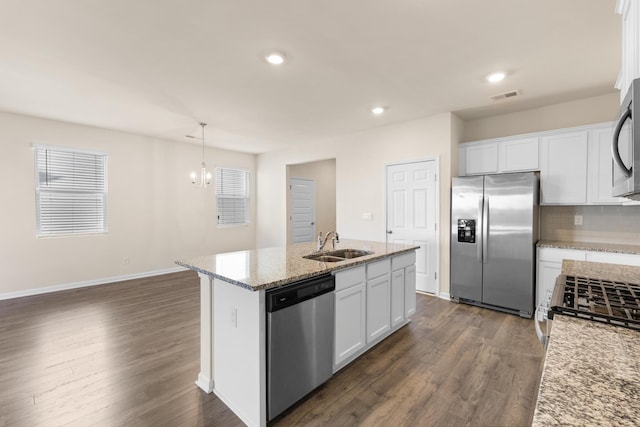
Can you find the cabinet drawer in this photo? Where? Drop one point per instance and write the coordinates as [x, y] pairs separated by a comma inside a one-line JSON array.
[[378, 268], [348, 278], [557, 255], [614, 258], [402, 261]]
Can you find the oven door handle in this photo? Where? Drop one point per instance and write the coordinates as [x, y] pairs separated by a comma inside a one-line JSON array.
[[541, 336]]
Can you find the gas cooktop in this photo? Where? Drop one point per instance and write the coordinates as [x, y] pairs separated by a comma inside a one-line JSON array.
[[613, 302]]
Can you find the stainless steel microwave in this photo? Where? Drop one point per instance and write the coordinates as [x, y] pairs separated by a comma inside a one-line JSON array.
[[625, 146]]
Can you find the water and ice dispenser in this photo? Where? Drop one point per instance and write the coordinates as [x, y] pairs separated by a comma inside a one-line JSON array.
[[467, 230]]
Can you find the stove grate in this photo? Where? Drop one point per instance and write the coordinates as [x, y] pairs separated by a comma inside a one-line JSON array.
[[613, 302]]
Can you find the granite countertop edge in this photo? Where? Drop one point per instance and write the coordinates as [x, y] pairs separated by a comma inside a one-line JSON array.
[[325, 269], [591, 246]]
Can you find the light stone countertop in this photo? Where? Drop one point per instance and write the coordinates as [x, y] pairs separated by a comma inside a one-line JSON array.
[[272, 267], [590, 246], [591, 371], [591, 375]]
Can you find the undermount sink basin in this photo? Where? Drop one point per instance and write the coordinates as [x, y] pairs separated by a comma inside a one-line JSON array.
[[337, 256], [349, 253]]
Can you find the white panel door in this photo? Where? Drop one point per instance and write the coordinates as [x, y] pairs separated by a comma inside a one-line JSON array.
[[303, 210], [411, 216]]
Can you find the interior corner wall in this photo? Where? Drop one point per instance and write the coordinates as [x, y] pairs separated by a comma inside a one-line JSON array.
[[598, 109], [360, 166], [155, 214]]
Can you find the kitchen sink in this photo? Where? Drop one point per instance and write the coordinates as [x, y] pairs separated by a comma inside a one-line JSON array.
[[349, 253], [337, 256]]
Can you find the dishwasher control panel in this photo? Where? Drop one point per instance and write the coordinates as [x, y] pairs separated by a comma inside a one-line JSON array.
[[286, 296]]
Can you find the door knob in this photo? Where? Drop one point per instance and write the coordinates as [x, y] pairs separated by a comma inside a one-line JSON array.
[[389, 232], [313, 223]]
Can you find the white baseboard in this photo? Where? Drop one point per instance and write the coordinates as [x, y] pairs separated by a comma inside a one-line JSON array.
[[86, 283], [205, 383], [444, 295]]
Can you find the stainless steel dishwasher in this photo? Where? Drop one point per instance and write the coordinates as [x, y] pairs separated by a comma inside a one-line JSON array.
[[300, 322]]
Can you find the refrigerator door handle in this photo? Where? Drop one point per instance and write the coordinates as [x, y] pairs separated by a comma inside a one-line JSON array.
[[485, 230], [480, 226]]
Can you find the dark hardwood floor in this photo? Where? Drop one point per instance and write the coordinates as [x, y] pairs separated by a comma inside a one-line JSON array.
[[128, 354]]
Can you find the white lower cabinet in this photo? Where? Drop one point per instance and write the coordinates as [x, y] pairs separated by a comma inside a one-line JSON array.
[[350, 312], [410, 290], [397, 297], [372, 301], [378, 299], [378, 317], [614, 258]]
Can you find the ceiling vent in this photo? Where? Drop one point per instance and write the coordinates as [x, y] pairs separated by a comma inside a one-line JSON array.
[[510, 94]]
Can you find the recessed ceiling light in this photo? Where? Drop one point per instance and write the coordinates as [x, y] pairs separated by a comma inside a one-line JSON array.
[[378, 110], [275, 58], [495, 77]]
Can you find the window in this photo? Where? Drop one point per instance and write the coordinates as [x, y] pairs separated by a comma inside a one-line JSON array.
[[232, 192], [71, 191]]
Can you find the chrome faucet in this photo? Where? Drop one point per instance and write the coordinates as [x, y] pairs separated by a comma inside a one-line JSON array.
[[323, 241]]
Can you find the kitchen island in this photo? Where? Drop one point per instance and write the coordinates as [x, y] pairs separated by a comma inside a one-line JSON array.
[[591, 372], [233, 316]]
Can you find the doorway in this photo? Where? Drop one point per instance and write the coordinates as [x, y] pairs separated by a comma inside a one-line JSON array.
[[303, 209], [321, 210], [412, 215]]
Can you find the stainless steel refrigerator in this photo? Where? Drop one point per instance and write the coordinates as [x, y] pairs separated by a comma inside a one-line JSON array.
[[494, 230]]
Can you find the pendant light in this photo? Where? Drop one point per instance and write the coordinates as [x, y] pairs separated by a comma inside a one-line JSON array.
[[204, 180]]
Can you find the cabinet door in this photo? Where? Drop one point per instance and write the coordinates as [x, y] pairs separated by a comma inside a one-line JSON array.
[[518, 155], [378, 308], [350, 332], [409, 291], [397, 297], [563, 168], [614, 258], [600, 168], [481, 158]]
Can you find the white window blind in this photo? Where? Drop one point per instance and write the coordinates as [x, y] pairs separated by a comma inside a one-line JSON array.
[[232, 192], [71, 191]]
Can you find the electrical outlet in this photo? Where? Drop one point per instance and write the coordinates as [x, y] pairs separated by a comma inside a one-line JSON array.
[[577, 220]]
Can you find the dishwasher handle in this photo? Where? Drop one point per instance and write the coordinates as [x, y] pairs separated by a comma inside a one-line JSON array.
[[297, 292]]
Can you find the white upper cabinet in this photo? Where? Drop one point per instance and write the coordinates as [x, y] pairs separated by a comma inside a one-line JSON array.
[[499, 156], [630, 12], [481, 159], [600, 168], [518, 155], [575, 164], [563, 168]]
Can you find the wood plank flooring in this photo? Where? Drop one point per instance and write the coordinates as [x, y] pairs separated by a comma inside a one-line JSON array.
[[127, 354]]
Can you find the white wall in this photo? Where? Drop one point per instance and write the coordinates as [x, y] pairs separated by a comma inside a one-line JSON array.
[[155, 215], [360, 161], [587, 111]]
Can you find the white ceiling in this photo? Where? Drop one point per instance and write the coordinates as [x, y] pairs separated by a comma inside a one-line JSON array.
[[159, 67]]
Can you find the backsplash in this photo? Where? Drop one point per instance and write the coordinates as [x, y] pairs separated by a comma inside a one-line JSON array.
[[600, 224]]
